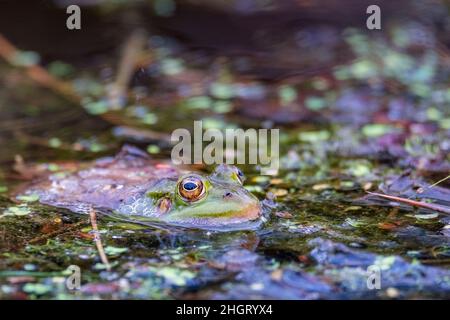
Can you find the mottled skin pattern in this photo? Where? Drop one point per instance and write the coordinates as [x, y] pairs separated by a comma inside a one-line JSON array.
[[135, 187]]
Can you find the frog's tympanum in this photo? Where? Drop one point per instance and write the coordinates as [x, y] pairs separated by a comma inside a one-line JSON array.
[[133, 186]]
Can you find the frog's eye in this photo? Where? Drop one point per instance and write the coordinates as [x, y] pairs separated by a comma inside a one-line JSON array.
[[191, 188]]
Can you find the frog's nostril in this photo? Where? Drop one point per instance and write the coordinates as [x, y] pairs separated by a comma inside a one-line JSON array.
[[227, 195]]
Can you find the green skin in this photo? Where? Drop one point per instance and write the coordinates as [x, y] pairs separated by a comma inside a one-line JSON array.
[[225, 202], [131, 186]]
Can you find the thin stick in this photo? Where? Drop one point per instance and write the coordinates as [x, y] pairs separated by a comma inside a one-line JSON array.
[[132, 49], [421, 190], [97, 239], [436, 183], [419, 204]]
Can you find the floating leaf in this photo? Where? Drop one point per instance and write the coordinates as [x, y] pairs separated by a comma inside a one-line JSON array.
[[424, 216], [445, 123], [376, 130], [96, 107], [60, 69], [434, 114], [354, 223], [114, 251], [149, 118], [222, 90], [37, 288], [16, 211], [175, 276], [347, 184], [211, 123], [54, 142], [385, 262], [222, 106], [172, 66], [314, 136], [359, 168], [53, 167], [153, 149], [28, 197], [260, 179], [321, 186], [287, 94], [315, 103], [279, 192], [352, 208], [254, 188], [101, 266], [200, 102], [96, 147], [26, 58], [364, 69]]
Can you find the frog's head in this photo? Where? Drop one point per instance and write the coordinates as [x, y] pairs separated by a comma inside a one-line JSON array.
[[217, 200]]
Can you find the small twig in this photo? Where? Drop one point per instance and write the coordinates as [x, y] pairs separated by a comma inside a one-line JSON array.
[[440, 181], [130, 54], [97, 239], [421, 190], [419, 204]]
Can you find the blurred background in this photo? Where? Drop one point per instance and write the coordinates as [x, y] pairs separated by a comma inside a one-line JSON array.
[[160, 64]]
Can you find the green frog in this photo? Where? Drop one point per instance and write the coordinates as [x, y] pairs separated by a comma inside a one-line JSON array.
[[133, 186]]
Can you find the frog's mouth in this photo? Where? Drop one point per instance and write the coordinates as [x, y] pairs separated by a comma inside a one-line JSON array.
[[229, 216], [247, 218], [226, 215]]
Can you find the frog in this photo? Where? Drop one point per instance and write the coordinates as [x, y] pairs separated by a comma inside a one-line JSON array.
[[134, 187]]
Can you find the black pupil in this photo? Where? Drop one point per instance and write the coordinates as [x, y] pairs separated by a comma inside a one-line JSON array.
[[240, 173], [189, 186]]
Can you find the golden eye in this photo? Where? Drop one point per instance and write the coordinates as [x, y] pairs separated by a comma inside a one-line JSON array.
[[191, 189]]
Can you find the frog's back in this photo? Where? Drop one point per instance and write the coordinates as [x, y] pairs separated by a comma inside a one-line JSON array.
[[107, 183]]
